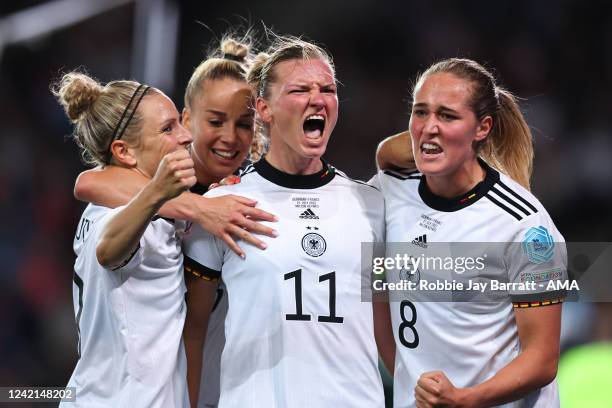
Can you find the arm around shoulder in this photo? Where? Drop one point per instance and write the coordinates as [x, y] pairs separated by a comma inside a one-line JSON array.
[[395, 153], [121, 235]]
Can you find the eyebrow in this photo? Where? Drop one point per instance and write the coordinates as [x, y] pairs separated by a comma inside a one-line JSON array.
[[307, 84], [441, 108], [219, 113], [216, 112]]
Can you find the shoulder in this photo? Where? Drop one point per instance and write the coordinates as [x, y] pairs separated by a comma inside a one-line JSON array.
[[401, 175], [248, 169], [399, 184], [369, 193], [528, 214], [343, 178], [515, 200], [248, 182]]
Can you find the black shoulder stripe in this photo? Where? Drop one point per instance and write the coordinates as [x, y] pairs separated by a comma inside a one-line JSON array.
[[247, 170], [399, 176], [197, 269], [518, 197], [341, 174], [503, 207], [511, 201]]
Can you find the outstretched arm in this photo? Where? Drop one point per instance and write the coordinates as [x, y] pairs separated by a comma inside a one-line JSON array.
[[121, 235], [395, 153], [225, 217]]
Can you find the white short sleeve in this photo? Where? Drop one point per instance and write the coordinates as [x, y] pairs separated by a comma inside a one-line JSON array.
[[537, 256]]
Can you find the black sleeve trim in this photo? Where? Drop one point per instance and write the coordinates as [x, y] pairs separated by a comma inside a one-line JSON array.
[[525, 305], [542, 297], [129, 258], [200, 271]]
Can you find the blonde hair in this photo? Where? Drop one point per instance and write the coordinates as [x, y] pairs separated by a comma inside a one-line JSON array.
[[96, 112], [283, 48], [231, 60], [509, 145]]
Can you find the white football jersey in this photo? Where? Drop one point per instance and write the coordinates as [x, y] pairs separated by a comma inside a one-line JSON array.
[[130, 319], [297, 333], [215, 333], [469, 340]]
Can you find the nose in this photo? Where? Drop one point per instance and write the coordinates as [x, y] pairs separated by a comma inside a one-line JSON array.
[[316, 99], [431, 125], [184, 137], [229, 133]]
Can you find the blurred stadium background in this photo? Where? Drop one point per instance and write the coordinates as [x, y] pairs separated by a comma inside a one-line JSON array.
[[557, 55]]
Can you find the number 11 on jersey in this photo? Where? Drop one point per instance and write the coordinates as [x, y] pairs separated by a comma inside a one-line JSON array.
[[299, 315]]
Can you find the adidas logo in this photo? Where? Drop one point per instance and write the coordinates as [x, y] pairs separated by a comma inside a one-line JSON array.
[[309, 215], [421, 241]]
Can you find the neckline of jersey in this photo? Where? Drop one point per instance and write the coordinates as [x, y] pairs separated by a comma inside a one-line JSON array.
[[464, 200], [294, 181]]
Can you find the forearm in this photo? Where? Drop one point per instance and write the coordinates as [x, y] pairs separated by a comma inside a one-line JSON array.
[[526, 373], [111, 186], [115, 186], [184, 207], [121, 235], [395, 153]]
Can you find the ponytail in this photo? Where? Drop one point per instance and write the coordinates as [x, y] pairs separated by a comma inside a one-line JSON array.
[[509, 146]]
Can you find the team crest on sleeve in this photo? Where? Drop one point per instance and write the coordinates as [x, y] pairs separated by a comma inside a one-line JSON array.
[[538, 245], [314, 244]]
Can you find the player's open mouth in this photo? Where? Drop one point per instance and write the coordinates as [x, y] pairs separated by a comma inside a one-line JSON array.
[[314, 126], [430, 148], [225, 154]]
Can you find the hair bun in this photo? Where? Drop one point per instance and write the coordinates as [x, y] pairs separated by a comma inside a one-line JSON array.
[[77, 92], [234, 50]]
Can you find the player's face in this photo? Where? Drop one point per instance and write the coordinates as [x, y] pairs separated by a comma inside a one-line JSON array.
[[221, 121], [302, 108], [162, 132], [443, 126]]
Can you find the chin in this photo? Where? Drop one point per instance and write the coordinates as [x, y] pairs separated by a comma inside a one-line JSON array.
[[313, 152], [430, 168]]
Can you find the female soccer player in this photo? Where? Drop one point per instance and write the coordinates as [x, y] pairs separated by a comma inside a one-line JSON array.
[[297, 332], [129, 287], [474, 152], [218, 112]]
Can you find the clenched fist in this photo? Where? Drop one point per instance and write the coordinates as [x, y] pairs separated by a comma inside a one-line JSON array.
[[174, 174]]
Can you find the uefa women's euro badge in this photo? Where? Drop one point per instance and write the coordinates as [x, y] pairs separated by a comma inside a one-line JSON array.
[[538, 245]]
